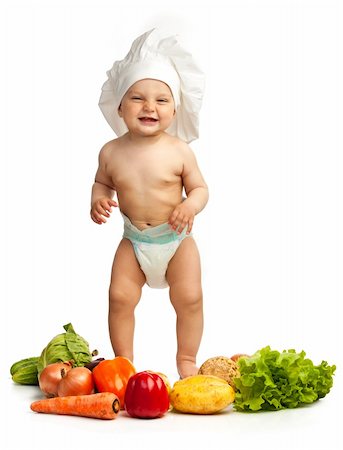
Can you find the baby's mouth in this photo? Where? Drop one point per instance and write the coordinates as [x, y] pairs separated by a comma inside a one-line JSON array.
[[148, 119]]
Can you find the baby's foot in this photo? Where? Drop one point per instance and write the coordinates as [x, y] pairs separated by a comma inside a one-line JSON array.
[[187, 369]]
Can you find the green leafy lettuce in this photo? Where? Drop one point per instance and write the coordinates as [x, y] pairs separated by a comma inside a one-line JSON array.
[[270, 380], [65, 347]]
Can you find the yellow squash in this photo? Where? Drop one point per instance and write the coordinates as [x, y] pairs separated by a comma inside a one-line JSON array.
[[201, 394]]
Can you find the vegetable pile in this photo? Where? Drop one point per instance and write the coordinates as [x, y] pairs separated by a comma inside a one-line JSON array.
[[75, 384], [270, 380], [67, 347]]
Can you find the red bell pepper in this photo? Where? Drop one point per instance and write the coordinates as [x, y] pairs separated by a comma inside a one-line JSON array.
[[112, 375], [146, 396]]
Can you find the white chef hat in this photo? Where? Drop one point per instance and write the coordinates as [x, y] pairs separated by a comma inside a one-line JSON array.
[[160, 57]]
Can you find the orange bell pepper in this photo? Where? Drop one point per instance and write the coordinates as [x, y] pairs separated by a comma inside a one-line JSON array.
[[112, 375]]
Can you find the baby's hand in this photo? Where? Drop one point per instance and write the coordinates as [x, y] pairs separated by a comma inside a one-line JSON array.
[[181, 217], [101, 208]]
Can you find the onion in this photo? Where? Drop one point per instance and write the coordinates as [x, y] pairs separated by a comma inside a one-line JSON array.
[[51, 376], [77, 381]]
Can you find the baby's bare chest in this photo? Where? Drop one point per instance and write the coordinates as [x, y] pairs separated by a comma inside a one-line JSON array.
[[145, 171]]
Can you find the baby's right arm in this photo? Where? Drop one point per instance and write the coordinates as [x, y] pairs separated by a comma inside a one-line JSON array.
[[102, 191]]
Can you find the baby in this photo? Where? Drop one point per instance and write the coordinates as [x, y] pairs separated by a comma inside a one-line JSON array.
[[151, 100]]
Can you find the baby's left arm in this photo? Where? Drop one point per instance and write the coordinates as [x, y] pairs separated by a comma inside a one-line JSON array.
[[197, 194]]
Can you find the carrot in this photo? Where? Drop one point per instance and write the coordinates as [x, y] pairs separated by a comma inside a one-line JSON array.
[[104, 405]]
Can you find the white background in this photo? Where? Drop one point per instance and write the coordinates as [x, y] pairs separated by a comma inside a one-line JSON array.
[[270, 238]]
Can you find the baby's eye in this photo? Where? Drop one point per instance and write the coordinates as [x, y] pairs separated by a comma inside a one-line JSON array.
[[136, 98], [162, 100]]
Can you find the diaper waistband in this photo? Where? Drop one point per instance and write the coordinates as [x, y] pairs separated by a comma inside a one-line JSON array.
[[161, 234]]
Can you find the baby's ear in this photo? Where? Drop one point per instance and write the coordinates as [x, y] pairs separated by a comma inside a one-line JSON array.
[[119, 110]]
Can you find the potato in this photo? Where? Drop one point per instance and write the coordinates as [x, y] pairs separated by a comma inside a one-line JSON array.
[[201, 394], [222, 367]]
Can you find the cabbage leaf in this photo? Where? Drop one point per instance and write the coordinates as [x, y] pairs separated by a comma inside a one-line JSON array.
[[65, 347]]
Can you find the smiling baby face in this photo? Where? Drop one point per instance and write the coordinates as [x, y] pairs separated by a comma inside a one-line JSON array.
[[148, 107]]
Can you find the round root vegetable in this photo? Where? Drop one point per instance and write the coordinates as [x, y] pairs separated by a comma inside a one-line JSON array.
[[77, 381], [51, 376], [222, 367]]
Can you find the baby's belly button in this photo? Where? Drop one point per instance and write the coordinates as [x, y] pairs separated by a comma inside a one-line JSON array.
[[141, 225]]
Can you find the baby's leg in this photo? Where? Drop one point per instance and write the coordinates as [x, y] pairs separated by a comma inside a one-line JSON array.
[[184, 279], [125, 290]]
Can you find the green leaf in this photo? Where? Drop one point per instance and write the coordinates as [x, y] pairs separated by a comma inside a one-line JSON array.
[[65, 347], [270, 380]]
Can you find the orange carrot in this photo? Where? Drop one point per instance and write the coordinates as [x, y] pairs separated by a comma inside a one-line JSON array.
[[104, 405]]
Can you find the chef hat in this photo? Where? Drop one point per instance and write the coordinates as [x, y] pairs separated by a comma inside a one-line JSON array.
[[160, 57]]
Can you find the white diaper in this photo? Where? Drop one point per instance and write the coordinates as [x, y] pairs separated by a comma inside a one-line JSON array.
[[154, 247]]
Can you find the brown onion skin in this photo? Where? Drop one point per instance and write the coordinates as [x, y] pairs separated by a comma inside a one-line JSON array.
[[77, 381], [51, 376]]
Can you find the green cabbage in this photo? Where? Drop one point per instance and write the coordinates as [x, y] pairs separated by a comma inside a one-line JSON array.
[[65, 347], [270, 380]]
